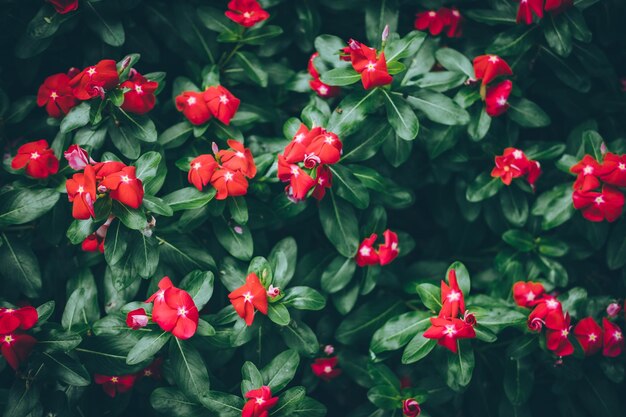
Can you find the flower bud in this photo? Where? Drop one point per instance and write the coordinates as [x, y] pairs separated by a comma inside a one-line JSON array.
[[329, 349], [311, 160], [77, 157], [137, 319], [535, 324], [411, 408], [273, 291], [385, 33], [613, 309], [469, 318]]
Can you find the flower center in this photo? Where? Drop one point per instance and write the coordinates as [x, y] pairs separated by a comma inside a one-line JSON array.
[[147, 372], [432, 14], [587, 170], [260, 401], [138, 89], [621, 166], [394, 246], [8, 339], [299, 137], [599, 200], [506, 168], [592, 337], [552, 304], [295, 171], [564, 332], [329, 140], [81, 189], [125, 179], [517, 154], [323, 90], [530, 296], [115, 379], [320, 181], [182, 311], [328, 369], [493, 59], [454, 296], [248, 15], [197, 165], [450, 331], [247, 297], [228, 176], [224, 99], [34, 155], [617, 335], [501, 101], [456, 13], [91, 71], [371, 66], [191, 101], [365, 251], [240, 154], [54, 95]]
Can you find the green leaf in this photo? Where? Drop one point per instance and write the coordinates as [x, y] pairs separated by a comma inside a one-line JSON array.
[[384, 397], [418, 348], [514, 206], [184, 254], [555, 206], [519, 239], [577, 25], [108, 28], [460, 367], [366, 142], [398, 331], [147, 165], [157, 206], [258, 36], [514, 41], [281, 370], [616, 247], [79, 230], [527, 114], [479, 125], [222, 404], [77, 117], [378, 14], [338, 274], [339, 224], [252, 68], [132, 218], [566, 70], [187, 369], [299, 336], [483, 187], [199, 284], [250, 377], [519, 378], [362, 322], [348, 187], [215, 20], [148, 346], [54, 338], [176, 135], [237, 240], [189, 198], [174, 403], [238, 209], [67, 370], [557, 33], [340, 77], [453, 60], [279, 314], [438, 108], [283, 258], [400, 115], [20, 266], [21, 399], [116, 242], [73, 309], [430, 295], [24, 205], [44, 311], [491, 17], [396, 150], [304, 298], [441, 81], [352, 111]]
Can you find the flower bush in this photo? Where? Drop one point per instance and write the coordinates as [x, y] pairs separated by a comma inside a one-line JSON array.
[[334, 207]]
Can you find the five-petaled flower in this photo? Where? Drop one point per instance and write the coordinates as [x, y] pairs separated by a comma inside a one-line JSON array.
[[56, 95], [514, 163], [221, 103], [527, 294], [81, 191], [326, 368], [37, 159], [489, 67], [589, 335], [557, 333], [452, 299], [497, 98], [373, 69], [448, 330], [174, 310], [250, 296], [246, 13], [260, 401], [125, 187], [113, 385], [613, 339], [139, 98], [95, 80], [388, 251]]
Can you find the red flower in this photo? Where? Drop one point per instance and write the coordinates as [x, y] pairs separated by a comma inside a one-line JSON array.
[[589, 335], [153, 370], [511, 164], [527, 294], [193, 106], [526, 10], [238, 158], [586, 170], [174, 310], [557, 332], [360, 55], [497, 98], [326, 368], [115, 384], [13, 319], [411, 408], [489, 67], [367, 255], [598, 206], [125, 187], [299, 181], [327, 147], [260, 401], [81, 190], [448, 331], [389, 250], [558, 6], [311, 65], [137, 319], [247, 13], [323, 180], [295, 150], [533, 173], [16, 347], [77, 157], [452, 300], [139, 99], [64, 6], [452, 20], [106, 168], [229, 183], [249, 296], [375, 73], [93, 243], [221, 103], [56, 94], [324, 90], [613, 169], [95, 80], [38, 159], [430, 20], [546, 305], [613, 339], [201, 170]]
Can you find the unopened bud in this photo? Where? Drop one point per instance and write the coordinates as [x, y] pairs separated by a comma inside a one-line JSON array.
[[385, 33]]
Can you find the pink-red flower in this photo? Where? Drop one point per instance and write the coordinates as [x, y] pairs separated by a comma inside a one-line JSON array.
[[612, 171], [513, 163], [326, 368], [448, 330], [557, 333], [388, 251], [260, 401], [322, 90], [238, 158], [558, 6], [193, 106], [367, 255], [411, 408], [56, 95], [586, 171], [201, 171], [546, 305], [598, 206], [452, 21], [299, 181], [136, 319], [526, 10], [527, 294], [81, 191], [295, 151], [174, 310], [589, 335], [139, 98], [221, 103], [496, 100], [125, 187], [489, 67], [16, 347], [373, 70], [64, 6], [248, 297], [246, 13], [12, 319], [37, 159], [323, 180], [452, 299], [229, 183], [613, 339], [94, 81], [430, 20], [113, 385], [77, 157], [326, 148], [153, 370]]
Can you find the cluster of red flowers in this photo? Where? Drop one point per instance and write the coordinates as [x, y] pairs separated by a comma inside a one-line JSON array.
[[246, 13], [250, 296], [548, 311], [387, 252], [304, 162], [173, 310], [513, 163], [528, 7], [322, 90], [64, 6], [113, 385], [260, 401], [59, 93], [200, 107], [226, 172], [447, 327], [16, 345], [364, 60], [437, 21], [37, 159], [487, 68], [596, 192], [114, 177]]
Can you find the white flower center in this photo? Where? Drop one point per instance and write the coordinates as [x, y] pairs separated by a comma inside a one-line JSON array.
[[450, 330], [552, 304], [295, 171], [191, 101], [138, 89], [197, 165], [240, 154], [114, 379], [517, 154], [501, 101], [125, 179], [147, 372], [432, 14], [371, 66], [599, 200], [493, 59], [394, 246], [248, 15], [592, 337], [328, 369], [457, 14], [323, 90], [8, 339], [587, 170], [530, 296], [299, 137], [329, 140], [365, 251], [80, 189], [247, 297], [224, 99], [34, 155], [91, 71], [454, 296], [228, 176], [260, 401], [621, 166], [564, 332], [54, 95], [617, 335], [182, 311], [320, 181]]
